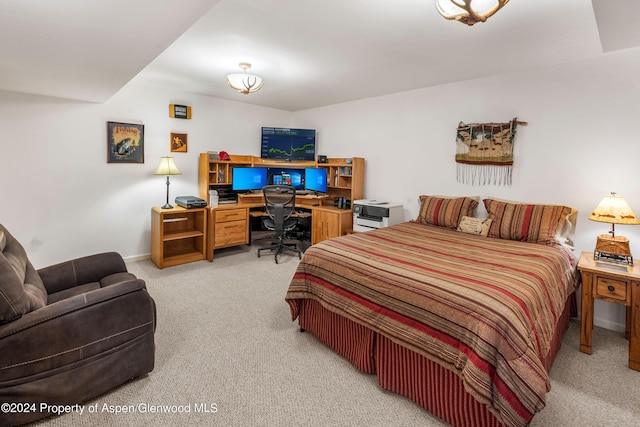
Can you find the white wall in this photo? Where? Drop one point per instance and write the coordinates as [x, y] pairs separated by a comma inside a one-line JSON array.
[[62, 199], [581, 142]]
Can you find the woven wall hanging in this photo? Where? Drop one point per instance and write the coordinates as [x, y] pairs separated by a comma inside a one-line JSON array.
[[484, 152]]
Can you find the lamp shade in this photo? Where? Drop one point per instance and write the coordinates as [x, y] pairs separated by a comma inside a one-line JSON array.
[[469, 11], [614, 210], [167, 167]]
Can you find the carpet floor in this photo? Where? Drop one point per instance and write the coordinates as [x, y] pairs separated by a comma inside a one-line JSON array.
[[228, 354]]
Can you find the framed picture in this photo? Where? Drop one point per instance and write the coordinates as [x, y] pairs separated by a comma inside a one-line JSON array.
[[125, 143], [178, 142]]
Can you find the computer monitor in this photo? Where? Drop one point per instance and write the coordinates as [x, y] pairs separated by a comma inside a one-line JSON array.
[[315, 179], [286, 176], [248, 179]]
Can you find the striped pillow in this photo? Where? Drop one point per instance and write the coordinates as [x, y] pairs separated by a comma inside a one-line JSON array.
[[525, 222], [445, 211]]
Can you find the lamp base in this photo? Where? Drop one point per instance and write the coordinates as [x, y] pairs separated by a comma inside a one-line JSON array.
[[167, 206], [613, 249]]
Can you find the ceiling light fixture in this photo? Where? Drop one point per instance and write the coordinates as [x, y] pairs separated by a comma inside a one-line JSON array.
[[245, 83], [465, 12]]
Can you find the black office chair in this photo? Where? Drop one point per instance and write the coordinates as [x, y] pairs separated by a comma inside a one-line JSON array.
[[279, 203]]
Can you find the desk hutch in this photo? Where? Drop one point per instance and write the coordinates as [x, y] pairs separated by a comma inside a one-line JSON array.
[[229, 223]]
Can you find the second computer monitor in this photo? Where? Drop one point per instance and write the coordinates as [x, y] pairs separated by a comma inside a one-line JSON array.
[[315, 179], [286, 176]]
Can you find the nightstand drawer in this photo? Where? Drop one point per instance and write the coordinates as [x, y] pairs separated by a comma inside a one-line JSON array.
[[611, 289]]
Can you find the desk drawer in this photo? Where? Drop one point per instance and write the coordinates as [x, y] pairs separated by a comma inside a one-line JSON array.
[[230, 233], [611, 289], [230, 215]]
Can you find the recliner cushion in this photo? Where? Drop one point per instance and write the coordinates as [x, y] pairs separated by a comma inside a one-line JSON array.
[[21, 288]]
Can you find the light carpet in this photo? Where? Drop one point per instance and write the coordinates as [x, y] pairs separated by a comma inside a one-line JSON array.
[[228, 354]]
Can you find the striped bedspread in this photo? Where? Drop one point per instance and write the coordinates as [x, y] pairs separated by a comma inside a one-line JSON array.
[[484, 308]]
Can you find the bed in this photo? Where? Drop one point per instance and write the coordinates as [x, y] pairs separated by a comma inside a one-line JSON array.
[[465, 322]]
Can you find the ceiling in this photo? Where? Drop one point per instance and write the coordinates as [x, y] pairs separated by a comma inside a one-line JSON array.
[[310, 53]]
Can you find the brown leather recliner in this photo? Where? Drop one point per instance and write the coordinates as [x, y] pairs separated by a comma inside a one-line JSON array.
[[68, 332]]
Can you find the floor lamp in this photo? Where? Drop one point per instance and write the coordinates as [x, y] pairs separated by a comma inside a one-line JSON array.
[[167, 167]]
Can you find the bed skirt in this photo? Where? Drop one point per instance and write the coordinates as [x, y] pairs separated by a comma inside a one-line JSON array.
[[403, 371]]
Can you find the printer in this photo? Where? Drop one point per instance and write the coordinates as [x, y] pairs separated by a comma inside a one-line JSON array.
[[370, 214]]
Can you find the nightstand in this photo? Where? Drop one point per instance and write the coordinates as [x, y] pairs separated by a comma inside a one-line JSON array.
[[618, 284]]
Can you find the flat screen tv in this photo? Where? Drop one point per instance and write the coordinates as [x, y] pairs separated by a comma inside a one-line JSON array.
[[315, 179], [286, 176], [248, 179], [288, 144]]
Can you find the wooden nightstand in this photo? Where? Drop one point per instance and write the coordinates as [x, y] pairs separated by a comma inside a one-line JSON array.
[[619, 284]]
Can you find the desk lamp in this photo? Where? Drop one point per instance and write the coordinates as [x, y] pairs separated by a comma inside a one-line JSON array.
[[609, 247], [167, 167]]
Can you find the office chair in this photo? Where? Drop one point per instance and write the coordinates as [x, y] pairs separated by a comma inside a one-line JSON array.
[[279, 203]]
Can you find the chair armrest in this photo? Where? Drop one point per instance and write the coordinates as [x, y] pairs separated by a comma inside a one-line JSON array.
[[75, 329], [79, 271], [62, 308]]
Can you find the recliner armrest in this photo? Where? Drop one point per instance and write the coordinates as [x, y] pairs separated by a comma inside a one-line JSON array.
[[69, 305], [79, 271], [75, 329]]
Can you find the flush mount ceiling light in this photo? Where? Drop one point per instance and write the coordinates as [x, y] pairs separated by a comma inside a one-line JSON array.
[[469, 11], [244, 83]]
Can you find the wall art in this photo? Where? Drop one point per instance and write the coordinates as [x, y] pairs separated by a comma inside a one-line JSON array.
[[125, 143], [178, 142]]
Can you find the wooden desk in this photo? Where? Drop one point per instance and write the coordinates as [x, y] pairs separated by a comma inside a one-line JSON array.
[[612, 283], [229, 224], [301, 200]]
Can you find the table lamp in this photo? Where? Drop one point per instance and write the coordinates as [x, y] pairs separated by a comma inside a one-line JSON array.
[[609, 247], [167, 167]]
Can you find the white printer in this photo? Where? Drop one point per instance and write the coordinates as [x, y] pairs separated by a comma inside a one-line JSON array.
[[369, 214]]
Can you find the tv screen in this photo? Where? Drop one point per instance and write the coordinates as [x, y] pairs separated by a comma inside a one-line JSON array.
[[247, 179], [315, 179], [285, 176], [288, 144]]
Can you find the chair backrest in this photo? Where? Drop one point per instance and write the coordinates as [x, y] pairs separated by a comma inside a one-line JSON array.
[[21, 288], [279, 203]]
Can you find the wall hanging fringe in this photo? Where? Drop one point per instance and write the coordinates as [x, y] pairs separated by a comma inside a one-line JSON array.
[[484, 152]]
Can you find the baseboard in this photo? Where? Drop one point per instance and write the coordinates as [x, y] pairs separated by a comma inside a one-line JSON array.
[[137, 258], [608, 324]]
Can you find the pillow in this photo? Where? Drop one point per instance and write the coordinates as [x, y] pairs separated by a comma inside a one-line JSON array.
[[525, 222], [477, 226], [567, 228], [445, 211]]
